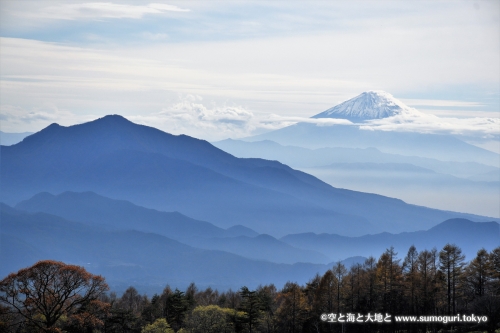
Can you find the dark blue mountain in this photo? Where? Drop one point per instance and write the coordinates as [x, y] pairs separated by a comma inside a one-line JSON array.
[[122, 160]]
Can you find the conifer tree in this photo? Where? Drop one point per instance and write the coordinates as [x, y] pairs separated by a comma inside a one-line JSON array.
[[451, 263]]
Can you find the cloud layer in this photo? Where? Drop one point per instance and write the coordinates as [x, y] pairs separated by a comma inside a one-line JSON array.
[[424, 123], [191, 116], [257, 65], [100, 10]]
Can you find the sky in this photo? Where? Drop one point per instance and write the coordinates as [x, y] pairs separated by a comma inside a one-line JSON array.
[[230, 69]]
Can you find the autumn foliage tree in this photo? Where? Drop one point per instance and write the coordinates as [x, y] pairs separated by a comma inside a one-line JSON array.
[[50, 296]]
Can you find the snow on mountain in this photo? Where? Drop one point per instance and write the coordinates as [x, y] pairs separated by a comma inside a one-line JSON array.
[[369, 105]]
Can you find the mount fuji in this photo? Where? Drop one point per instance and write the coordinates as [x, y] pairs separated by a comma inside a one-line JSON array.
[[369, 105]]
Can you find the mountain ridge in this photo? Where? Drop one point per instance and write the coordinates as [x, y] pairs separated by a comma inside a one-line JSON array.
[[470, 236], [125, 257], [122, 160]]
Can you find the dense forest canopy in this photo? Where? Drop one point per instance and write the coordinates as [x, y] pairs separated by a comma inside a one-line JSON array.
[[55, 297]]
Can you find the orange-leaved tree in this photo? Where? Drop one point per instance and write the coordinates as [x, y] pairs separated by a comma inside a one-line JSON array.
[[51, 295]]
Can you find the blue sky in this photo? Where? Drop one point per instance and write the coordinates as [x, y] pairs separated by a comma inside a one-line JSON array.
[[218, 69]]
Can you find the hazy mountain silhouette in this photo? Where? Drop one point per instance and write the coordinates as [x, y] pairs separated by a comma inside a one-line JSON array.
[[470, 236], [261, 247], [95, 210], [91, 208], [127, 257], [441, 147], [423, 181], [7, 139], [299, 157], [122, 160]]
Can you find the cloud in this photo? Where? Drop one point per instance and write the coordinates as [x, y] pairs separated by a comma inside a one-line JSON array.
[[437, 102], [99, 10], [414, 121], [425, 123], [192, 117]]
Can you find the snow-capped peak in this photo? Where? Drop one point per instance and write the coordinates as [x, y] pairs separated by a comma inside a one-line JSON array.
[[374, 104]]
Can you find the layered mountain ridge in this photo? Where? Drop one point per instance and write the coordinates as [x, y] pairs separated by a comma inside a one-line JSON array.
[[145, 207], [116, 158]]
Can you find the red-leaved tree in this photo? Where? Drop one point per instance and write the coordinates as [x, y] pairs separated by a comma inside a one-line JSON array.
[[51, 295]]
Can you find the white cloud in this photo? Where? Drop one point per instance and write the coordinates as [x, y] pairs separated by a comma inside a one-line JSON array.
[[99, 10], [460, 113], [437, 102], [298, 69], [425, 123], [190, 116]]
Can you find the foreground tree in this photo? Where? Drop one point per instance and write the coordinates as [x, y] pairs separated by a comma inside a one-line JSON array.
[[213, 319], [50, 291], [159, 326], [250, 305], [292, 309], [451, 263]]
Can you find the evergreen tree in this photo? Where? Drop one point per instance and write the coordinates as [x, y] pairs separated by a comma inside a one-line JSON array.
[[250, 305]]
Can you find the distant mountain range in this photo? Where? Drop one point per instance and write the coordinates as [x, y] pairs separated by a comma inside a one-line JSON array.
[[8, 139], [126, 257], [96, 210], [129, 255], [300, 157], [440, 147], [113, 215], [122, 160], [419, 180], [469, 236]]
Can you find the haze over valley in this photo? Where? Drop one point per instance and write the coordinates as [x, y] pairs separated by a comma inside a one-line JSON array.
[[249, 143], [109, 194]]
